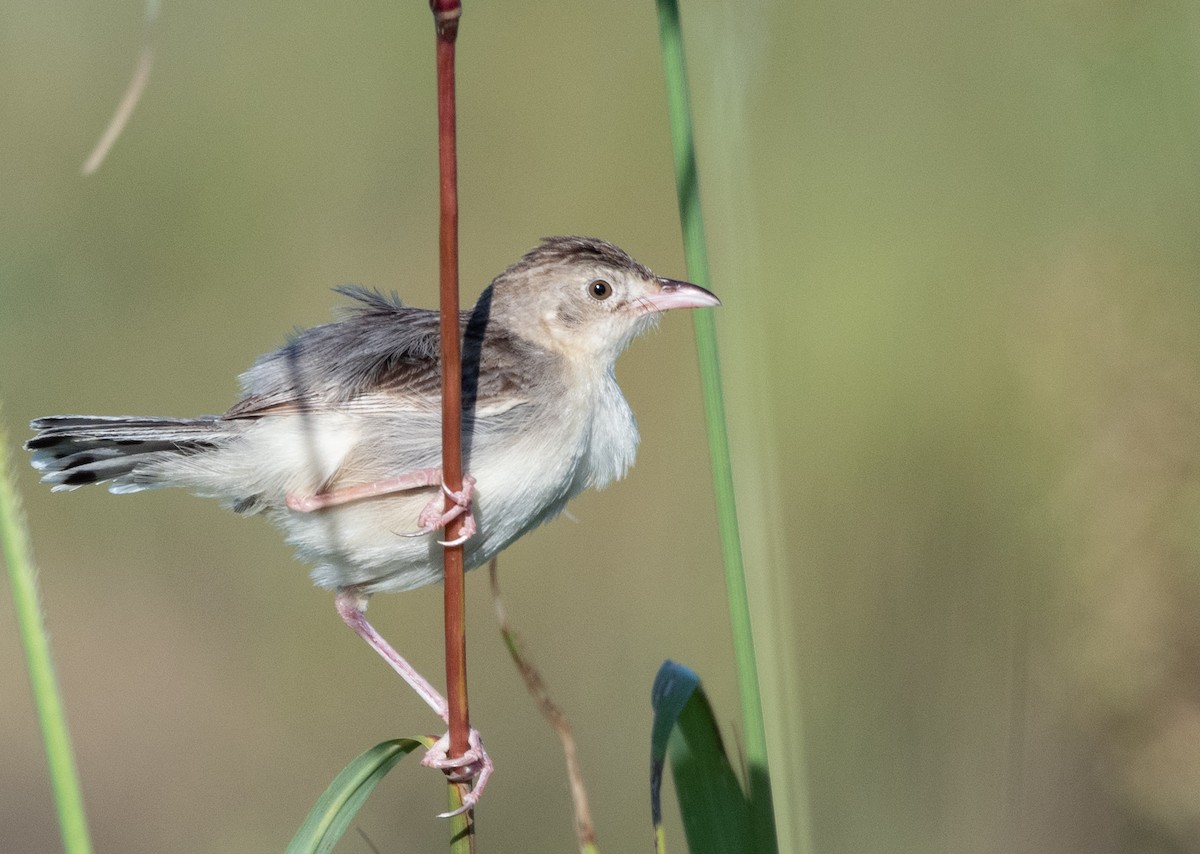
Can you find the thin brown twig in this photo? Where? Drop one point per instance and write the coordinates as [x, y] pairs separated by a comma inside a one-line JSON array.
[[551, 711]]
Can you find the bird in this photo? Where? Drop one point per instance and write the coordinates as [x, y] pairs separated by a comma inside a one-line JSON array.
[[336, 438]]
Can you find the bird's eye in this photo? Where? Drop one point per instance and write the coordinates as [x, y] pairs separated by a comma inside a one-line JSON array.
[[600, 289]]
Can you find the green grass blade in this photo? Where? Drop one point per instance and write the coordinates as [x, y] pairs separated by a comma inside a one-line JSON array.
[[692, 220], [462, 827], [336, 808], [18, 557], [716, 814]]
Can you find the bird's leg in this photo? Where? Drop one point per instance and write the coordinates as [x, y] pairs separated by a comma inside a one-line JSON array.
[[475, 762], [352, 608], [400, 483], [433, 517]]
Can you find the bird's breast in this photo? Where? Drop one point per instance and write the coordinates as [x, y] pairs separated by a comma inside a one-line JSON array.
[[610, 438], [577, 440]]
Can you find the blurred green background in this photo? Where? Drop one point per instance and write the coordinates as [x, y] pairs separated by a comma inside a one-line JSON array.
[[958, 250]]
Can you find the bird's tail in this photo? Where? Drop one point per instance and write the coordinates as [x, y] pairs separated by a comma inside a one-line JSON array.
[[74, 450]]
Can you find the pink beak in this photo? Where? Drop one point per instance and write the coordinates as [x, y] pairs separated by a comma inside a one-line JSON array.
[[676, 294]]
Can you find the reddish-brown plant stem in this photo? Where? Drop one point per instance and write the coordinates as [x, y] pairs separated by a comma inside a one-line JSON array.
[[446, 14]]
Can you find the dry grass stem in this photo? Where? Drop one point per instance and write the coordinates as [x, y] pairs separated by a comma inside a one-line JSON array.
[[141, 76], [550, 710]]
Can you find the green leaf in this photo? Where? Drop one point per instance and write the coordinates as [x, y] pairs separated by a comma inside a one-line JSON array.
[[716, 813], [336, 808]]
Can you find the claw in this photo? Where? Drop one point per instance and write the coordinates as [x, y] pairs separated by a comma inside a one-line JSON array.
[[468, 531], [475, 762]]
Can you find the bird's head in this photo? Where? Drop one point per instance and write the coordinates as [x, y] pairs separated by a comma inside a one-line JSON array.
[[586, 298]]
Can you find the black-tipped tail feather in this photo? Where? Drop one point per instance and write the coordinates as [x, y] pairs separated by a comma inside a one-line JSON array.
[[72, 451]]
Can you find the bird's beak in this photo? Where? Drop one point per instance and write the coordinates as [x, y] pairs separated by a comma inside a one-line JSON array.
[[675, 294]]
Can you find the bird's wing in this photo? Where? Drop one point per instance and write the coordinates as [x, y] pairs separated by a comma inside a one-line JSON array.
[[382, 359]]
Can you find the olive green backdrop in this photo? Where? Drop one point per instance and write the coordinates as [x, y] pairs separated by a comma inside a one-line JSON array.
[[957, 245]]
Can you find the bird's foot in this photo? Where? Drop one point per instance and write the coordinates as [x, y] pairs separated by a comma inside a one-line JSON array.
[[461, 769], [435, 515]]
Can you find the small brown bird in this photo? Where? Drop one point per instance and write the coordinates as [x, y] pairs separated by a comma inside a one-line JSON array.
[[337, 437]]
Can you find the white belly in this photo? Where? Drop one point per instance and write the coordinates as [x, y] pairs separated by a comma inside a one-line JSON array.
[[522, 481]]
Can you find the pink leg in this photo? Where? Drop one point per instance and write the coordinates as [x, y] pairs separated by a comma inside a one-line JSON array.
[[402, 483], [352, 607], [433, 517]]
